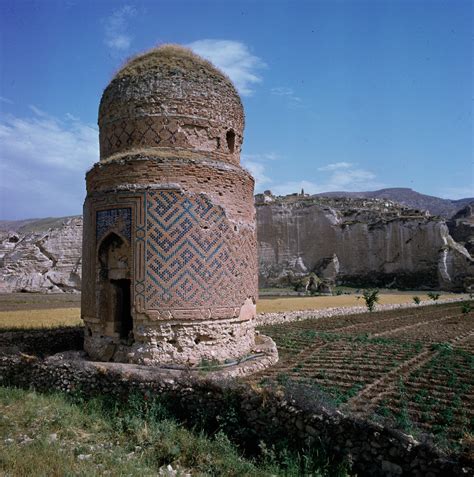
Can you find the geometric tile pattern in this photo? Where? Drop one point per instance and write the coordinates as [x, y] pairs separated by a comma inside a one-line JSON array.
[[117, 219], [136, 132], [194, 256]]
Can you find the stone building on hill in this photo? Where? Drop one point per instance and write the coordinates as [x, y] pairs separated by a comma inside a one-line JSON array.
[[169, 249]]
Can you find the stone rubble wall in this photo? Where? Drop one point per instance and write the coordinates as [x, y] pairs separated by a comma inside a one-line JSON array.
[[257, 415], [264, 319]]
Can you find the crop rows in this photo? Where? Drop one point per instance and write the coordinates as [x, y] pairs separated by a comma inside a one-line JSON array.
[[438, 396], [414, 367]]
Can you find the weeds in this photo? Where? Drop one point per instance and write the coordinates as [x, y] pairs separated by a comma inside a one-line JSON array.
[[56, 435]]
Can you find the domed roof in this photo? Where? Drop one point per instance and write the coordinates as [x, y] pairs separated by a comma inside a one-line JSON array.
[[172, 56], [171, 99]]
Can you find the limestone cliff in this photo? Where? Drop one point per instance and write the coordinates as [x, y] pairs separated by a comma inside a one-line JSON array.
[[461, 227], [41, 256], [363, 242], [349, 240]]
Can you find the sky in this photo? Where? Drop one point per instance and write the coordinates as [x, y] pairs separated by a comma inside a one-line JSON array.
[[338, 95]]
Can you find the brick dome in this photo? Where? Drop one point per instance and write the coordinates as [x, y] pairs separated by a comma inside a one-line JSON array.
[[171, 100]]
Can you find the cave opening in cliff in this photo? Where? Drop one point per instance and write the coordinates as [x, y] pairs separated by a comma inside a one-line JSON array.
[[114, 286]]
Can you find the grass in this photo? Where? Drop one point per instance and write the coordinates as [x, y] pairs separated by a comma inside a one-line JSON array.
[[27, 319], [55, 435], [169, 55]]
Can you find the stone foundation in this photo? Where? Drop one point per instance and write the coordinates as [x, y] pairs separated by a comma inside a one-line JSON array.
[[176, 342]]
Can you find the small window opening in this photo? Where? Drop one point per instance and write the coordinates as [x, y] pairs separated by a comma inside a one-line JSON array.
[[230, 137]]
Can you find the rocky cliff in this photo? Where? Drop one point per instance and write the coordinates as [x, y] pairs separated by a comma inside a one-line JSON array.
[[359, 241], [41, 255], [461, 227], [363, 242]]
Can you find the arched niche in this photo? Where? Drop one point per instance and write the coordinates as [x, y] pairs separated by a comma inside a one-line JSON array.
[[114, 286]]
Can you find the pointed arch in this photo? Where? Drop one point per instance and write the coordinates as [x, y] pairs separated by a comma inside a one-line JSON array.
[[113, 265]]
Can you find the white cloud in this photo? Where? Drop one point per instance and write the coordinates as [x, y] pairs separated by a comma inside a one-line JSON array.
[[234, 59], [38, 111], [255, 164], [341, 176], [71, 117], [288, 94], [43, 164], [258, 172], [267, 156], [117, 37], [335, 166], [5, 100]]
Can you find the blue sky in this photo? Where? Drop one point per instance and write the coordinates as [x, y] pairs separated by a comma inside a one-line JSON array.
[[339, 95]]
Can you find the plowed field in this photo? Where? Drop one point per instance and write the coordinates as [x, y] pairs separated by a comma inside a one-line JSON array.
[[413, 368]]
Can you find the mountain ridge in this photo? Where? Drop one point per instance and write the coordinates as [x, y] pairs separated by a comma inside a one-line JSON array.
[[445, 208]]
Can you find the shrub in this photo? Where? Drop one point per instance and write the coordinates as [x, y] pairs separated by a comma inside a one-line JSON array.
[[466, 307], [371, 297], [433, 296], [417, 300]]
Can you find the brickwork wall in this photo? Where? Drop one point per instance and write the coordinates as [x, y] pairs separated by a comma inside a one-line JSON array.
[[172, 107], [230, 187]]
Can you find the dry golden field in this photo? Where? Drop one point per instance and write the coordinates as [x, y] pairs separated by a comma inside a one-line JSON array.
[[282, 304], [20, 310], [45, 318]]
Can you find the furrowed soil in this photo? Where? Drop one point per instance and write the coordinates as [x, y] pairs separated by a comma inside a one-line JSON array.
[[411, 368]]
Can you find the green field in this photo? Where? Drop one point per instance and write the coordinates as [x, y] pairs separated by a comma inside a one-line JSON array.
[[411, 368]]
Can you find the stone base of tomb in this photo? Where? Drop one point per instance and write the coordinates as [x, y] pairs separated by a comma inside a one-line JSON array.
[[262, 354], [184, 343]]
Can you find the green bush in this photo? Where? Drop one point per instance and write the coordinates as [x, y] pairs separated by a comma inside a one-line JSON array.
[[417, 300], [433, 296], [371, 297]]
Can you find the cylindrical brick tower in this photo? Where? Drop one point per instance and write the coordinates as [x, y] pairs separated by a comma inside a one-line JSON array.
[[169, 252]]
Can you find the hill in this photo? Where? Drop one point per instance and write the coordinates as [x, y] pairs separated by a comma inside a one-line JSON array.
[[434, 205]]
